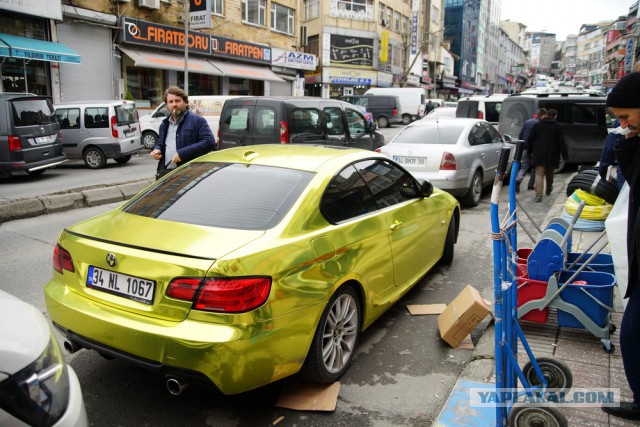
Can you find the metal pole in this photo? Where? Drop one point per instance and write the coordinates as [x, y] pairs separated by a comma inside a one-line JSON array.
[[186, 46]]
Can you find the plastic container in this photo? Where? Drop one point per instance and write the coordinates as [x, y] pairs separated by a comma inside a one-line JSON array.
[[602, 263], [599, 286], [529, 290], [522, 255]]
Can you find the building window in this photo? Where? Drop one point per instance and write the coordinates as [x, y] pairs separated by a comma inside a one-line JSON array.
[[254, 11], [405, 25], [381, 13], [281, 18], [217, 7], [398, 55], [313, 45], [311, 9], [388, 18]]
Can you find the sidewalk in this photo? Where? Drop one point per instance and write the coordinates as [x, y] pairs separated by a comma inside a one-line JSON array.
[[582, 352]]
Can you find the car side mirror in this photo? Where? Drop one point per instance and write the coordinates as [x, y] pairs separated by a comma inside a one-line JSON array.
[[426, 188], [508, 139]]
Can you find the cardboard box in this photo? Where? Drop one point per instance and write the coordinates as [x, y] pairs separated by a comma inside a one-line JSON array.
[[460, 317]]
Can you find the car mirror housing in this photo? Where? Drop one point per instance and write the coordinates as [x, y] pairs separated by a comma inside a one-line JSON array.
[[426, 188]]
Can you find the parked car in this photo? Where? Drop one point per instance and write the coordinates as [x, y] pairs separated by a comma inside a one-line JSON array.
[[385, 108], [37, 386], [208, 106], [481, 107], [458, 155], [99, 130], [412, 100], [30, 139], [255, 120], [219, 302], [582, 118]]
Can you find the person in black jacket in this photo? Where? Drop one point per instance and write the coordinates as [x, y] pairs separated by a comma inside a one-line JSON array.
[[624, 102], [183, 135], [525, 166], [545, 145]]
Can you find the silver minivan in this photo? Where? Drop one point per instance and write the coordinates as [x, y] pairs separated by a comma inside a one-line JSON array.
[[99, 130]]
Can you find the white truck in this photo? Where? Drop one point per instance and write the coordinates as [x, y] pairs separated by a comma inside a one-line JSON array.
[[412, 100]]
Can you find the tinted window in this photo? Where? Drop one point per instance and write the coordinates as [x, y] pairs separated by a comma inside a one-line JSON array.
[[68, 118], [347, 196], [237, 119], [378, 102], [355, 121], [226, 195], [584, 114], [335, 124], [306, 120], [126, 114], [494, 135], [559, 107], [467, 109], [96, 117], [265, 121], [493, 111], [385, 180], [479, 135], [31, 112], [443, 134]]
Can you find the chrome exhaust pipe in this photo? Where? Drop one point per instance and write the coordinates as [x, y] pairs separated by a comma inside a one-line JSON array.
[[72, 346], [176, 386]]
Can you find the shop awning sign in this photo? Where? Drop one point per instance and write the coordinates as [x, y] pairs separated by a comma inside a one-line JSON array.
[[39, 50], [199, 16]]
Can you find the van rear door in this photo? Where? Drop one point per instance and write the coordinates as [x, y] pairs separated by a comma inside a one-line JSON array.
[[234, 123]]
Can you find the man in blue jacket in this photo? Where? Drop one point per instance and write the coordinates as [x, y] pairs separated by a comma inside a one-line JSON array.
[[183, 135]]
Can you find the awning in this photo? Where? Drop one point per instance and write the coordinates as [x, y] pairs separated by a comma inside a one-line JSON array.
[[26, 48], [243, 71], [167, 61]]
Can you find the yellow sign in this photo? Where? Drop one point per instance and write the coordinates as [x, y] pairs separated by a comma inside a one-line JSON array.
[[384, 46]]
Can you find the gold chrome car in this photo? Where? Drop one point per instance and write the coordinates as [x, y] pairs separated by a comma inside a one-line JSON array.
[[250, 264]]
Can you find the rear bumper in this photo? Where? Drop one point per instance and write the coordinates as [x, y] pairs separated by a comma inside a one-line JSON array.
[[6, 168]]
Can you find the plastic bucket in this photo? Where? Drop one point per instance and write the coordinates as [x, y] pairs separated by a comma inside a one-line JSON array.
[[522, 255], [529, 290], [602, 263], [600, 289]]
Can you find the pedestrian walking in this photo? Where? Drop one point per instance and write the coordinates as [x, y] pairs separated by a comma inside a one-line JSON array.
[[429, 107], [183, 135], [525, 166], [624, 101], [545, 145]]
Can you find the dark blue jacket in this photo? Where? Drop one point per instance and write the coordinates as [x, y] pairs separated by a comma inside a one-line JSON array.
[[193, 138], [608, 158], [526, 129]]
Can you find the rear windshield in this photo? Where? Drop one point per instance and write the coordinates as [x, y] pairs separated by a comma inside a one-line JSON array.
[[448, 134], [126, 114], [225, 195], [31, 112]]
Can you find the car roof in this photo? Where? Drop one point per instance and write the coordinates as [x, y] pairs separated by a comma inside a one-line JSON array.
[[96, 102], [464, 121], [11, 95], [572, 96], [295, 156]]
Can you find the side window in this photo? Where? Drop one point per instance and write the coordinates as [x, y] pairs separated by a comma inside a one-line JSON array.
[[386, 181], [162, 112], [559, 107], [492, 110], [96, 117], [335, 124], [584, 114], [355, 121], [306, 120], [265, 121], [494, 135], [478, 135], [237, 119], [62, 117], [346, 197]]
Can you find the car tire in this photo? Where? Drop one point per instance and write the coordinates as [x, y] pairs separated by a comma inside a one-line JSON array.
[[383, 122], [406, 119], [472, 198], [449, 243], [122, 160], [336, 337], [94, 158], [149, 139]]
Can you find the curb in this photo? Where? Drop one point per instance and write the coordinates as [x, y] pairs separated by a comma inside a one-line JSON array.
[[73, 199]]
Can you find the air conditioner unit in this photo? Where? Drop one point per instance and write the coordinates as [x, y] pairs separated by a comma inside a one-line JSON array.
[[303, 35], [149, 4]]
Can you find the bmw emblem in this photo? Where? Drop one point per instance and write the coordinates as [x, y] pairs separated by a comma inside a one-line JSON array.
[[111, 260]]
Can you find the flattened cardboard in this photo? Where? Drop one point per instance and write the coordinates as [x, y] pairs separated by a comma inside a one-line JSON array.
[[420, 309], [307, 396], [461, 316]]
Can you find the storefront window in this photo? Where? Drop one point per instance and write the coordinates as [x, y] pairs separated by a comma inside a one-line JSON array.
[[245, 87], [20, 75], [200, 84]]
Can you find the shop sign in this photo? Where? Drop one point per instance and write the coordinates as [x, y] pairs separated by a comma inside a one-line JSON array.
[[290, 59], [628, 58], [351, 51], [348, 77], [413, 80], [199, 16], [311, 78], [385, 79], [229, 48]]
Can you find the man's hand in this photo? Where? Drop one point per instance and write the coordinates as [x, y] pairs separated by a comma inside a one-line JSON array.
[[156, 154], [176, 159]]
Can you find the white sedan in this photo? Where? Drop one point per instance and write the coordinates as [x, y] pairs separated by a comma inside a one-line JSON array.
[[458, 155]]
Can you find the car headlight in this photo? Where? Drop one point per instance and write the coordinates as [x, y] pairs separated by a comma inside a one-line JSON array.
[[38, 394]]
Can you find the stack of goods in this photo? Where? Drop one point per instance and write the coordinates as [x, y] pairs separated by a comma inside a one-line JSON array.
[[598, 195]]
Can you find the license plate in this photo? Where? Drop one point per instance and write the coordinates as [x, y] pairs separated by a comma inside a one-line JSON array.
[[41, 139], [412, 161], [129, 132], [131, 287]]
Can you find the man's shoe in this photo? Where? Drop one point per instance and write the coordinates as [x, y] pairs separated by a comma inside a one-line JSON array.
[[549, 190], [517, 186], [626, 410], [537, 199]]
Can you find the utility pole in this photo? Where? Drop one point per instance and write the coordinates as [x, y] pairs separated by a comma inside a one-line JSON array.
[[186, 45]]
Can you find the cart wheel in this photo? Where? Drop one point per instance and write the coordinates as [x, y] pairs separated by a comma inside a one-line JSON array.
[[610, 349], [527, 416], [612, 328], [556, 373]]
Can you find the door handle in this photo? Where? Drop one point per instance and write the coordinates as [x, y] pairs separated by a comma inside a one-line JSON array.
[[396, 225]]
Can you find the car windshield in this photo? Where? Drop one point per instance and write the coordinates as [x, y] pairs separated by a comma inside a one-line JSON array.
[[447, 134], [226, 195], [32, 112], [126, 114]]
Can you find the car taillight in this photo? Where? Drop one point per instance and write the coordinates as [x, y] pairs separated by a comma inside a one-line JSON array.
[[227, 295], [480, 115], [59, 136], [448, 162], [62, 260], [14, 143], [395, 111], [284, 133], [114, 131]]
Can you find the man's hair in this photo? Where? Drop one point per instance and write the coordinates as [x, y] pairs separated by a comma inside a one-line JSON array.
[[552, 113], [175, 90], [541, 112]]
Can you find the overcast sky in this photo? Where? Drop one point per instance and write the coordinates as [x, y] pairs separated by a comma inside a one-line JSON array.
[[562, 17]]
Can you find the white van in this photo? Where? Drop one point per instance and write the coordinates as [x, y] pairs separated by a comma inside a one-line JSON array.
[[412, 100], [208, 106]]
